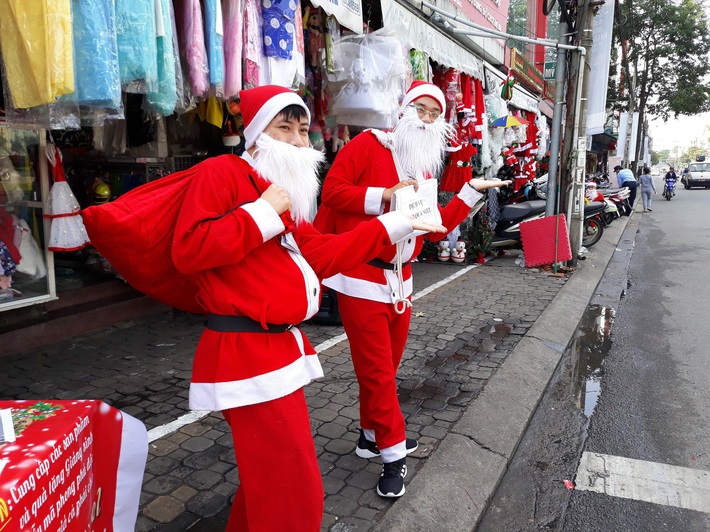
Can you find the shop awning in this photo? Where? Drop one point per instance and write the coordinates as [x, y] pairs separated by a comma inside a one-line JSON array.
[[348, 13], [428, 38]]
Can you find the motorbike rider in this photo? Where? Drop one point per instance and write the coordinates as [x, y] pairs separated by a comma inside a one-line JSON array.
[[671, 176]]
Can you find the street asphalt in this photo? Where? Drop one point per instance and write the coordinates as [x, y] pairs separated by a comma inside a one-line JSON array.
[[484, 343]]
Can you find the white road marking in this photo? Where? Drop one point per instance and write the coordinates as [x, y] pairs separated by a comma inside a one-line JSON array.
[[191, 417], [682, 487], [167, 429]]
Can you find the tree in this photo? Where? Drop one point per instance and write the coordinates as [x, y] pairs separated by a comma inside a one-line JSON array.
[[669, 44]]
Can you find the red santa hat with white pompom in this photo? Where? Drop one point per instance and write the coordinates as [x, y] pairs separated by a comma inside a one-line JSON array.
[[419, 89], [260, 105]]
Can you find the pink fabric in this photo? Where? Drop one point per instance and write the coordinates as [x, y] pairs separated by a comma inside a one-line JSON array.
[[192, 38], [233, 44], [253, 50]]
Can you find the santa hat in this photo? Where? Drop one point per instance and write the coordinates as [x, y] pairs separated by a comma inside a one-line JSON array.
[[261, 105], [420, 89]]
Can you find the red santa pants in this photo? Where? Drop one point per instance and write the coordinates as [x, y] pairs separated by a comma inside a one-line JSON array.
[[377, 336], [280, 482]]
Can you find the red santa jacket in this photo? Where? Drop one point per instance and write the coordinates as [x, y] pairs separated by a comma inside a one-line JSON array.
[[246, 263], [352, 194]]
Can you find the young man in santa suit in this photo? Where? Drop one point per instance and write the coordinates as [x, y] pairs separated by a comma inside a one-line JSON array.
[[359, 187], [243, 233]]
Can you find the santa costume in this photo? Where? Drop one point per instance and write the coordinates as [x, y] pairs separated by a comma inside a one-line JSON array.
[[352, 195], [258, 275]]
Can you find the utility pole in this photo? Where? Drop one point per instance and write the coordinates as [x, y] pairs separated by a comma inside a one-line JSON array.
[[573, 160], [553, 190]]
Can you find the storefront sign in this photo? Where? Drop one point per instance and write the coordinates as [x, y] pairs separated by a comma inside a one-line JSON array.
[[346, 12], [488, 13], [424, 37], [550, 69], [525, 72]]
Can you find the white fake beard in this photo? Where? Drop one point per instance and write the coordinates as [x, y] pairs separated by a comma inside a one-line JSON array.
[[420, 146], [292, 168]]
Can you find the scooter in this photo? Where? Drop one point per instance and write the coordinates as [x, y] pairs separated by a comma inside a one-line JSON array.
[[669, 189], [507, 231]]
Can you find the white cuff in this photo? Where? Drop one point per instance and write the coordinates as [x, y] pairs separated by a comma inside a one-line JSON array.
[[266, 218], [373, 200], [398, 225], [469, 195]]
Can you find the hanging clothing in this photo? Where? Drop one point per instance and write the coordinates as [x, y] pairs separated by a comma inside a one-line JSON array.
[[98, 83], [232, 11], [279, 27], [165, 97], [7, 264], [37, 50], [191, 37], [214, 30], [137, 45], [255, 66], [68, 232]]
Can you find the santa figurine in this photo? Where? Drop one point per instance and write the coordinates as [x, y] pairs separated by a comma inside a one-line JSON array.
[[458, 254], [444, 252]]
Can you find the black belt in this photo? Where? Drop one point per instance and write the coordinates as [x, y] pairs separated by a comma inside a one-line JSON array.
[[379, 263], [219, 323]]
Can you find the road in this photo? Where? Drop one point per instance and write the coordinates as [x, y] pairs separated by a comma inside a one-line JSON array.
[[621, 442]]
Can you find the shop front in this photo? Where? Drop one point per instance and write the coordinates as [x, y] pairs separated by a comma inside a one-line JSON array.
[[167, 98]]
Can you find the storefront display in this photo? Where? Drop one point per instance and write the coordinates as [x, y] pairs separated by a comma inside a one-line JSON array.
[[22, 225]]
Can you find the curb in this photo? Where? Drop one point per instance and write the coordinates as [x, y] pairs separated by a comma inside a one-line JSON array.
[[453, 488]]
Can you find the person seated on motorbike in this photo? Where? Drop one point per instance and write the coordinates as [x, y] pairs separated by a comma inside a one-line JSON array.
[[671, 176]]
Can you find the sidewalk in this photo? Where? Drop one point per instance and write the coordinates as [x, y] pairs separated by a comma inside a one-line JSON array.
[[482, 349]]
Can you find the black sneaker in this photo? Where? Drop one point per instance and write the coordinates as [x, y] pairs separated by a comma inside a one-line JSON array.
[[368, 449], [391, 483]]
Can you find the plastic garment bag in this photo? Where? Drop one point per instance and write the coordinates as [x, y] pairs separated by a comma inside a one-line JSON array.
[[214, 29], [368, 78], [36, 43], [98, 83], [233, 43], [137, 45], [164, 98], [192, 40]]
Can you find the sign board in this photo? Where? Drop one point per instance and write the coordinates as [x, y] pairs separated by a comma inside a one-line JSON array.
[[421, 204], [488, 13], [550, 69], [346, 12], [599, 74], [525, 72]]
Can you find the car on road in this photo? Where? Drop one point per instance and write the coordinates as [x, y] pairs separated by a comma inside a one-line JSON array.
[[698, 175]]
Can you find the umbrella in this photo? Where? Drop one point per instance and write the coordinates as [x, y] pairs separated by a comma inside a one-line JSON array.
[[509, 121]]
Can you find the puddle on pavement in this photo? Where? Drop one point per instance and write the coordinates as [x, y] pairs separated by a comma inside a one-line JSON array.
[[589, 349]]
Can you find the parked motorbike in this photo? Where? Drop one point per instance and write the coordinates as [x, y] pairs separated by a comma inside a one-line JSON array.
[[617, 203], [593, 227]]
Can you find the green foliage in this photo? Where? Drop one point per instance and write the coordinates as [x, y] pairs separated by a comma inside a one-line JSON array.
[[669, 48], [480, 234]]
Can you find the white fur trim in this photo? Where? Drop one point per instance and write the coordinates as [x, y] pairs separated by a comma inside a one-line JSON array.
[[394, 453], [469, 195], [384, 293], [265, 216], [373, 200], [268, 112], [425, 90], [398, 226], [129, 477], [215, 396]]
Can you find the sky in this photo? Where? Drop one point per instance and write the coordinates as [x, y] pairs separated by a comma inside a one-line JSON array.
[[681, 132]]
